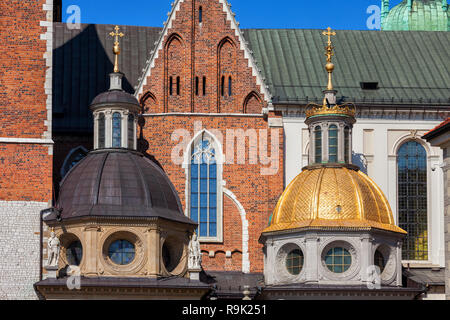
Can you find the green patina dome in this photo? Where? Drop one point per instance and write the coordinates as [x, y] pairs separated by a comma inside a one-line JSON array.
[[424, 15]]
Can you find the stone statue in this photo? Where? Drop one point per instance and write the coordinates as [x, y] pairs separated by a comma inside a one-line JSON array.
[[195, 254], [53, 247]]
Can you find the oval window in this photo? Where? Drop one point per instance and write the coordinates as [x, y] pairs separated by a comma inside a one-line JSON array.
[[338, 260], [121, 252], [294, 262], [74, 253]]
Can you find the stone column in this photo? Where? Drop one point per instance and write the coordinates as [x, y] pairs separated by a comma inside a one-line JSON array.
[[154, 252], [108, 129], [325, 142], [341, 143], [313, 254], [90, 250], [366, 257], [96, 115]]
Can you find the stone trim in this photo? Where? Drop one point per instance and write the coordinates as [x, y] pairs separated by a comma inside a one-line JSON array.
[[245, 234], [183, 114], [27, 141], [48, 56]]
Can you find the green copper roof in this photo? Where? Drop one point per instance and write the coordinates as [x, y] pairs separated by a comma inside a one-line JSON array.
[[424, 15], [409, 67]]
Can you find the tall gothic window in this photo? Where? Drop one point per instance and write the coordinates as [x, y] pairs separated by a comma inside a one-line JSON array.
[[204, 86], [101, 131], [204, 187], [196, 85], [171, 85], [178, 86], [412, 199], [318, 144], [332, 143], [200, 15], [116, 130], [230, 86], [131, 131], [347, 145]]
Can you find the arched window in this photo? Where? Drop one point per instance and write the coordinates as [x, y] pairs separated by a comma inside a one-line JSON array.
[[75, 155], [318, 144], [116, 130], [204, 86], [412, 199], [131, 134], [101, 131], [230, 85], [178, 86], [332, 143], [200, 15], [347, 145], [222, 86], [204, 195]]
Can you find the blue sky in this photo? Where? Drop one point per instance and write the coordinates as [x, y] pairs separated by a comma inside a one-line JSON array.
[[314, 14]]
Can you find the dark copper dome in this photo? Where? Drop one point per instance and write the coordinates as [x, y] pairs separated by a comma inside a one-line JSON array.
[[114, 97], [115, 183]]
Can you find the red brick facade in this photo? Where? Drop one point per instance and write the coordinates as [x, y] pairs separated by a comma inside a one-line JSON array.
[[26, 173], [192, 50]]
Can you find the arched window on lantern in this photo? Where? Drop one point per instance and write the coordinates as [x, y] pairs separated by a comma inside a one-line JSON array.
[[131, 131], [116, 130], [318, 144], [101, 131], [332, 143]]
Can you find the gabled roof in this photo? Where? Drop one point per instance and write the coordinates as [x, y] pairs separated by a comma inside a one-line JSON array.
[[410, 67], [441, 128]]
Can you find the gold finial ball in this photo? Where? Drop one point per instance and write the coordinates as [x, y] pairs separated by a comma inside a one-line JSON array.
[[116, 49], [329, 66]]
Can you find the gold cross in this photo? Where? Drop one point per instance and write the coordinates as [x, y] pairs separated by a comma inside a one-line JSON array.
[[116, 34], [329, 48], [116, 48]]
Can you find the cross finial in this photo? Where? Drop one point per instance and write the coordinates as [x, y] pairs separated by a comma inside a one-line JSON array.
[[330, 47], [116, 48]]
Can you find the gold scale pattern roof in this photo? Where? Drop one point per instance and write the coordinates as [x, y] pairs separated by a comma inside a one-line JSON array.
[[330, 198]]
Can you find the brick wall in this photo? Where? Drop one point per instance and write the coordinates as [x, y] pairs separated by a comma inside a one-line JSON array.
[[25, 145], [193, 51]]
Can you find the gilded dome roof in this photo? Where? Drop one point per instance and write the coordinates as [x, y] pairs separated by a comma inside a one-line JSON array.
[[424, 15], [332, 197]]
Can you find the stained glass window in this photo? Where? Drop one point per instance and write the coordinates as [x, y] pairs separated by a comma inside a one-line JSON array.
[[116, 130], [294, 262], [203, 188], [332, 143], [318, 144], [121, 252], [74, 253], [101, 131], [131, 131], [338, 260], [412, 199]]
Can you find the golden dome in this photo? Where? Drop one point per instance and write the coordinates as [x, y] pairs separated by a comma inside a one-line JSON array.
[[328, 197]]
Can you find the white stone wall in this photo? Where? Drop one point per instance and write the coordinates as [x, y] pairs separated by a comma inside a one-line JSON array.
[[19, 248]]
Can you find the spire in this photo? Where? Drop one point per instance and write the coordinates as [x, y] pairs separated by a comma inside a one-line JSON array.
[[329, 105], [116, 48], [329, 48], [116, 77]]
